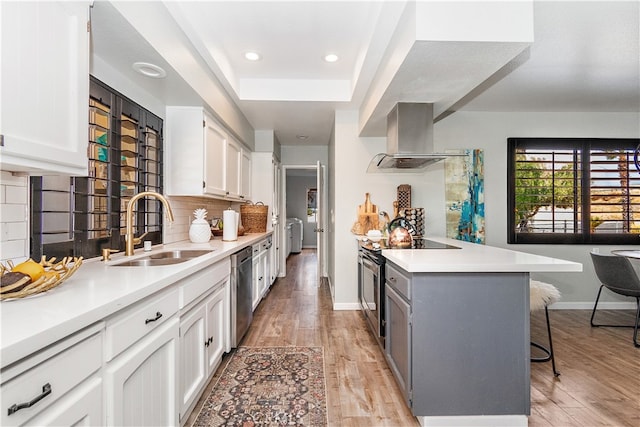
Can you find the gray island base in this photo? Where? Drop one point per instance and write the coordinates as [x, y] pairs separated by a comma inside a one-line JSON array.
[[457, 331]]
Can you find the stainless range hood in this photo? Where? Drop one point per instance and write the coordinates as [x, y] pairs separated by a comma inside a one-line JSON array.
[[409, 141]]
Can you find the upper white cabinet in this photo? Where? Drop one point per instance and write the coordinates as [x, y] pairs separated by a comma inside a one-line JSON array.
[[245, 174], [202, 158], [44, 89]]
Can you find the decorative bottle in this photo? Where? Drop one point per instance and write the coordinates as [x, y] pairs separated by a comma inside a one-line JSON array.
[[200, 231]]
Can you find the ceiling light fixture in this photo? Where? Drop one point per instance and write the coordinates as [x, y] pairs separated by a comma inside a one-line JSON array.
[[252, 56], [332, 57], [302, 137], [150, 70]]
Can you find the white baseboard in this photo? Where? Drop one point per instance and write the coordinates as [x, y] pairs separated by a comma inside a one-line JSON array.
[[346, 306], [602, 305], [475, 421]]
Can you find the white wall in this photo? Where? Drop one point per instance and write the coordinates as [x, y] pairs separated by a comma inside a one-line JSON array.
[[490, 131], [293, 155]]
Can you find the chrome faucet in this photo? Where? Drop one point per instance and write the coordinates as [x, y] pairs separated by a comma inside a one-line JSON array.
[[130, 239]]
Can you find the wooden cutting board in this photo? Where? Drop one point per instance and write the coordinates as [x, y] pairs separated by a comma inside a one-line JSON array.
[[368, 217]]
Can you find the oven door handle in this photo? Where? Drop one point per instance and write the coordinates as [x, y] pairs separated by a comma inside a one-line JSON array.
[[370, 264]]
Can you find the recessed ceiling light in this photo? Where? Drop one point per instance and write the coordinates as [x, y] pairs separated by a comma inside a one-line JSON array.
[[252, 56], [149, 70], [302, 137], [332, 57]]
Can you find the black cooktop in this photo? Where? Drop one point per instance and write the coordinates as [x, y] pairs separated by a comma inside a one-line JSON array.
[[417, 243]]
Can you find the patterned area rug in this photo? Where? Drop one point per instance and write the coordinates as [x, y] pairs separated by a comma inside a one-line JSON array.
[[269, 386]]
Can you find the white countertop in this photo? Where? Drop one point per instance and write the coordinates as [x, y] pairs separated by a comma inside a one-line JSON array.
[[474, 258], [96, 291]]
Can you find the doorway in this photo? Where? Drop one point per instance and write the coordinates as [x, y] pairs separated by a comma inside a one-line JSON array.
[[303, 204]]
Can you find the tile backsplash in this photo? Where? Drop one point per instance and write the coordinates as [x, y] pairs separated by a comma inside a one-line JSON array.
[[183, 208], [14, 217]]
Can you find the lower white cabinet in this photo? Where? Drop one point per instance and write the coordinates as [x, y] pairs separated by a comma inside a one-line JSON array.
[[204, 338], [259, 280], [140, 384], [81, 407], [56, 386]]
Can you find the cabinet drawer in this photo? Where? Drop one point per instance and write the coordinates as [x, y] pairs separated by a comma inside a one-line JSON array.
[[199, 283], [59, 374], [135, 322], [398, 281]]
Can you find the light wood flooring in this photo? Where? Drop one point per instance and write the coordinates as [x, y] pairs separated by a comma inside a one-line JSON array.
[[599, 383]]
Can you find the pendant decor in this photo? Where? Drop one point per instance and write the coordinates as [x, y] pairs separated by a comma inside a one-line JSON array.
[[200, 231], [464, 193]]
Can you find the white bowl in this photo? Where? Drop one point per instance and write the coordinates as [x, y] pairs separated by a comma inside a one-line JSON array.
[[374, 235]]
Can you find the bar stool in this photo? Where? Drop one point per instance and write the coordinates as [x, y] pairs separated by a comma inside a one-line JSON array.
[[541, 295]]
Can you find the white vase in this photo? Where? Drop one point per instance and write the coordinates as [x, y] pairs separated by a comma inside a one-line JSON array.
[[199, 231]]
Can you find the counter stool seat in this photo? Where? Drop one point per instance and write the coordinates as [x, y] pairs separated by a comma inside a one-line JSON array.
[[541, 295]]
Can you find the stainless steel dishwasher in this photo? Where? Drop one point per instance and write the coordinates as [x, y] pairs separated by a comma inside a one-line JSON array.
[[241, 294]]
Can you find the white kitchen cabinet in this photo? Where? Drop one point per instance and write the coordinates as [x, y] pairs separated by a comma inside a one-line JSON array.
[[193, 358], [202, 158], [233, 165], [245, 174], [261, 271], [141, 350], [266, 188], [204, 330], [140, 384], [44, 88], [195, 147], [57, 385], [81, 407]]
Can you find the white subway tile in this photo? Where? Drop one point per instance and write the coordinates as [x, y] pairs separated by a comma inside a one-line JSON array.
[[14, 194], [13, 231], [14, 250], [13, 213]]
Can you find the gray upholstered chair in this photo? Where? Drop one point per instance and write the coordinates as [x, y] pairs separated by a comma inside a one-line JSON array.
[[541, 295], [618, 275]]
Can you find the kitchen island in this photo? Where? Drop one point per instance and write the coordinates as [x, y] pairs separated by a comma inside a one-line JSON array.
[[457, 331]]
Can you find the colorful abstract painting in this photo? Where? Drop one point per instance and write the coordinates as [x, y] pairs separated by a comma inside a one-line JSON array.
[[464, 194]]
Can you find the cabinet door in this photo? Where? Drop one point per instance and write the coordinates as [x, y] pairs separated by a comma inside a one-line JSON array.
[[245, 175], [217, 323], [44, 90], [81, 407], [193, 365], [257, 281], [214, 158], [398, 339], [140, 384], [233, 156]]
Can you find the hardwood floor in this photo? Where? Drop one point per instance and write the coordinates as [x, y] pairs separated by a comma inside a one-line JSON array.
[[599, 383]]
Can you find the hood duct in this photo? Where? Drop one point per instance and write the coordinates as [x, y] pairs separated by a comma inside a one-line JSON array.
[[409, 141]]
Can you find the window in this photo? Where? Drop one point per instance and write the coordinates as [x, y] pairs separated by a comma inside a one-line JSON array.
[[572, 191], [81, 215]]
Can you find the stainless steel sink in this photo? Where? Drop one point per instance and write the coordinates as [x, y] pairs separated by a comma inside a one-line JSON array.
[[179, 254], [163, 258]]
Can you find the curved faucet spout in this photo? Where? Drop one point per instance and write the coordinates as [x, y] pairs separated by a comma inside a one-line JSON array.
[[130, 239]]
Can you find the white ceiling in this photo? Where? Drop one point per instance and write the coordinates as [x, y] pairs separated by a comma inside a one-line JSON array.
[[585, 57]]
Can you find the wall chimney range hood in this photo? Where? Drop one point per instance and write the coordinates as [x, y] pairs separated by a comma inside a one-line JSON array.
[[409, 141]]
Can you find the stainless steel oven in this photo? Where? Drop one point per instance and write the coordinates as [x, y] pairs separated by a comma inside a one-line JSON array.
[[371, 290], [371, 267]]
